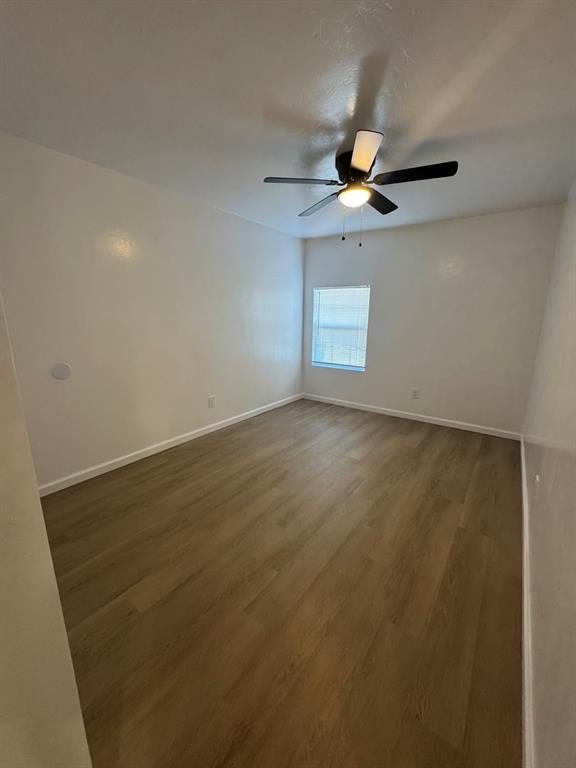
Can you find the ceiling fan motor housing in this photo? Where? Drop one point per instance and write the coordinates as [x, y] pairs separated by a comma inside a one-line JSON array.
[[346, 173]]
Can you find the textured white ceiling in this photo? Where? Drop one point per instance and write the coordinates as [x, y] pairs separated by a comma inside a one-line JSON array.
[[210, 97]]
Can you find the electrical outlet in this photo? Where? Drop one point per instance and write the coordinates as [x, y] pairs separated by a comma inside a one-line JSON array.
[[415, 393], [211, 401]]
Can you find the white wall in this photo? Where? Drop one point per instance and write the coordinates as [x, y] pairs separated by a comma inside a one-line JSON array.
[[40, 721], [550, 450], [456, 308], [155, 300]]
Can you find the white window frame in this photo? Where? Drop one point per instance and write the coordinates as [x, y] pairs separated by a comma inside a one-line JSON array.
[[338, 366]]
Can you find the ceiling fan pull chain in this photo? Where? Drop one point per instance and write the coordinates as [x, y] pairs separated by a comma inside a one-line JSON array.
[[361, 226], [344, 225]]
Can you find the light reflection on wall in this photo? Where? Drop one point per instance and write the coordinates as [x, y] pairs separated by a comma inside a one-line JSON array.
[[449, 265], [120, 245], [351, 106]]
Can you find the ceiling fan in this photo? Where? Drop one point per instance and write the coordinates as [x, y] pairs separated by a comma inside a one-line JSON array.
[[353, 171]]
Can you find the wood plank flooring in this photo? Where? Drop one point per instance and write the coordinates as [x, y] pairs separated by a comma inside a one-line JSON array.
[[314, 587]]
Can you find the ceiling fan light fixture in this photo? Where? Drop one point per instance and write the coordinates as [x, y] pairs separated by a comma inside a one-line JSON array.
[[354, 195]]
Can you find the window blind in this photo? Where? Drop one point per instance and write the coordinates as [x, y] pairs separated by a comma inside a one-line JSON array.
[[340, 327]]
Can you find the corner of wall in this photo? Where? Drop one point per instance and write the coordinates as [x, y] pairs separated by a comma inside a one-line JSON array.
[[303, 255], [527, 694], [548, 461], [40, 716]]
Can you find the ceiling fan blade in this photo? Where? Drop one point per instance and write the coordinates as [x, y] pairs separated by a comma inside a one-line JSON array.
[[435, 171], [286, 180], [319, 205], [381, 203], [366, 146]]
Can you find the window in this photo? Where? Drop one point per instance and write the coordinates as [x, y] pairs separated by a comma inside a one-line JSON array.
[[340, 327]]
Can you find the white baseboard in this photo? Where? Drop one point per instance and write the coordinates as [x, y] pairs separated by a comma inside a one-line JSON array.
[[527, 694], [108, 466], [417, 417], [129, 458]]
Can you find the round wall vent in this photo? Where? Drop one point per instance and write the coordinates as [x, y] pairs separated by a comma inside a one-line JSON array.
[[61, 371]]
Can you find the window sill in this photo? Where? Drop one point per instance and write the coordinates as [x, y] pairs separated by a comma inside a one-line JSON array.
[[338, 367]]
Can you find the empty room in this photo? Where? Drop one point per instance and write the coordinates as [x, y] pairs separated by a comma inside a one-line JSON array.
[[288, 384]]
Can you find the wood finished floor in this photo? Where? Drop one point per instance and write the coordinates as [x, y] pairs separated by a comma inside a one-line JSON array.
[[315, 587]]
